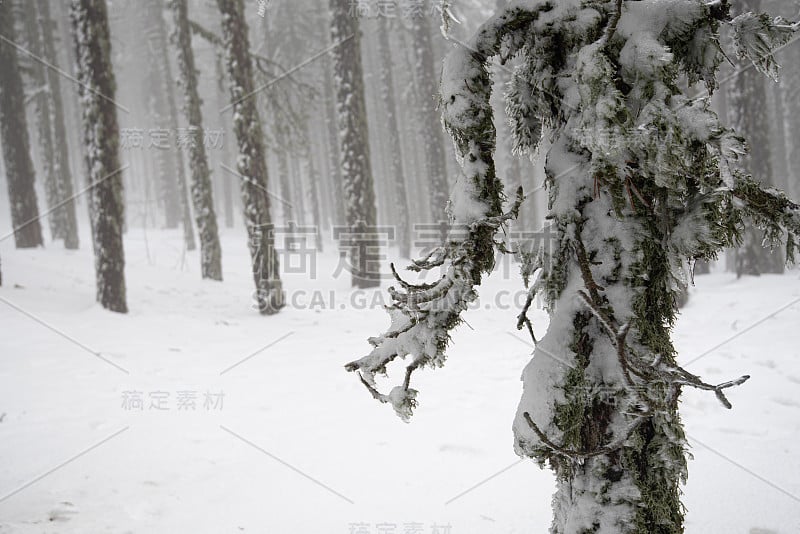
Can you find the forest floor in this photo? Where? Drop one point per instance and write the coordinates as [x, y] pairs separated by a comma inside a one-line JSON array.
[[288, 442]]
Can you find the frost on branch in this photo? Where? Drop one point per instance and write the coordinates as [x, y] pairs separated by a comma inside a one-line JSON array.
[[756, 37], [422, 315]]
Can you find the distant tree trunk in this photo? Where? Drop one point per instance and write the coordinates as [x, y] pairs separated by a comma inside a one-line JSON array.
[[335, 177], [20, 175], [285, 186], [41, 113], [702, 267], [351, 111], [202, 196], [101, 139], [251, 163], [790, 85], [392, 132], [162, 113], [61, 166], [182, 182], [296, 181], [227, 187], [750, 117], [313, 197], [775, 99], [431, 133]]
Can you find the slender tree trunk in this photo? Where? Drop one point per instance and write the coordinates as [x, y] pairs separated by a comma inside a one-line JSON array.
[[313, 197], [296, 179], [251, 163], [392, 131], [333, 148], [227, 183], [202, 197], [284, 181], [42, 118], [431, 134], [20, 174], [101, 138], [354, 152], [182, 181], [162, 114], [61, 165], [790, 85], [750, 117]]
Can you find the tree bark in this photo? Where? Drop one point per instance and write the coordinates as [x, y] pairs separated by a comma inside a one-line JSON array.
[[251, 163], [202, 196], [101, 139], [354, 150], [20, 174]]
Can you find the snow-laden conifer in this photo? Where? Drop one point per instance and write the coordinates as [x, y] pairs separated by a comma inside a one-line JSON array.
[[640, 178]]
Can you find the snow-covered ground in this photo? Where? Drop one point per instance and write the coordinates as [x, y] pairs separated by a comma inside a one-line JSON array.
[[297, 445]]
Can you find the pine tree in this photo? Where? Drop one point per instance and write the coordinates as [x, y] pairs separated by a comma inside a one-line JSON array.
[[640, 178], [66, 217], [392, 132], [354, 154], [90, 32], [14, 133], [430, 132], [202, 196], [251, 163]]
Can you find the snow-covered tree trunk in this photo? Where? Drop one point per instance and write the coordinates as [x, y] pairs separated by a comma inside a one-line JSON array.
[[202, 196], [640, 178], [251, 163], [101, 140], [20, 174], [430, 129], [396, 174], [61, 163], [354, 152]]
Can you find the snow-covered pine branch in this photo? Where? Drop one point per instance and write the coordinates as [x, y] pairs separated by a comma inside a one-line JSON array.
[[423, 315]]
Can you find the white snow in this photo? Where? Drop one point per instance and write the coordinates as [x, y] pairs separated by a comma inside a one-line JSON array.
[[182, 471]]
